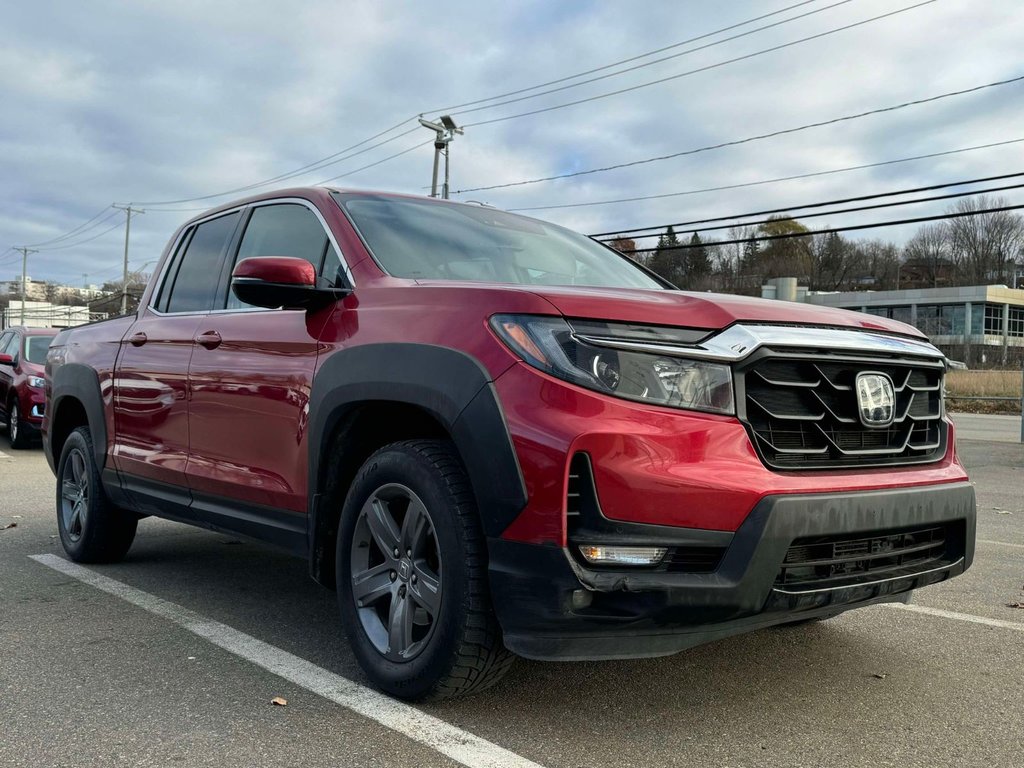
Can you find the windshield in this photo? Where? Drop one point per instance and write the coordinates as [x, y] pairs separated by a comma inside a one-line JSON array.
[[35, 348], [426, 240]]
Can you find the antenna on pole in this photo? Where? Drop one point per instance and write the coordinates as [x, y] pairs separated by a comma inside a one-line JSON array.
[[445, 130]]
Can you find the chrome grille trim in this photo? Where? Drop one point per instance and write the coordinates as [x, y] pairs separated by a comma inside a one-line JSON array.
[[800, 409]]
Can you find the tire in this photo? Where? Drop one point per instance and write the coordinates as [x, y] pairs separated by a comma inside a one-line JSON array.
[[415, 642], [17, 434], [92, 530]]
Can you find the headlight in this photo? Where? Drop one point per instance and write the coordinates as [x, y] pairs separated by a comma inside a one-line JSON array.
[[36, 381], [555, 347]]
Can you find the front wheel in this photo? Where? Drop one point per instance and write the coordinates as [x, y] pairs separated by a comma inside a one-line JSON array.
[[92, 530], [17, 435], [412, 575]]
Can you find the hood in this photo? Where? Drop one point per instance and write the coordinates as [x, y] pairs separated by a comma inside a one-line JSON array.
[[704, 310], [32, 369]]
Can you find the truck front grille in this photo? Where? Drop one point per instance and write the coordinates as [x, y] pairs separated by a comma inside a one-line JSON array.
[[838, 561], [802, 411]]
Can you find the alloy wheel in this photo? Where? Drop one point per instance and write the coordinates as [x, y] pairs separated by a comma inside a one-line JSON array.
[[12, 423], [396, 572], [74, 495]]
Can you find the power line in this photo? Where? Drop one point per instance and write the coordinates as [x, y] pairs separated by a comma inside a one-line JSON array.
[[762, 182], [792, 208], [656, 51], [81, 242], [834, 230], [336, 157], [371, 165], [700, 69], [81, 228], [656, 61], [857, 209], [749, 139], [292, 174]]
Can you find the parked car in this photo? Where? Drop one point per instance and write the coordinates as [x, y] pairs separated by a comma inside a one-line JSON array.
[[494, 436], [22, 360]]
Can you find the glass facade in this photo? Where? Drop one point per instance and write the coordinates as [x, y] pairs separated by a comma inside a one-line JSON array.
[[950, 319]]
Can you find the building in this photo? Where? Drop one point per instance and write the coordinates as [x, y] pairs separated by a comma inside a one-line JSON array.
[[42, 314], [34, 291], [982, 325]]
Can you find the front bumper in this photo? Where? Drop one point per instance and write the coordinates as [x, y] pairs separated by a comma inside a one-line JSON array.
[[551, 607]]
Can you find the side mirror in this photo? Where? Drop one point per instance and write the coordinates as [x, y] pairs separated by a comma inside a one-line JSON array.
[[6, 359], [280, 281]]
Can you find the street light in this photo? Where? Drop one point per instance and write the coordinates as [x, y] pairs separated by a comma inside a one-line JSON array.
[[445, 131]]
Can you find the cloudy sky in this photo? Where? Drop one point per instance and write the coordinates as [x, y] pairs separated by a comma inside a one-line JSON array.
[[157, 102]]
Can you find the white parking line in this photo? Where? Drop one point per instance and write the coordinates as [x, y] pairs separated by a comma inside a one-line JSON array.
[[1000, 543], [453, 742], [4, 455], [1014, 625]]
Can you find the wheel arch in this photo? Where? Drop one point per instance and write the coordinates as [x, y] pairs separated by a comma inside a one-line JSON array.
[[369, 396], [76, 401]]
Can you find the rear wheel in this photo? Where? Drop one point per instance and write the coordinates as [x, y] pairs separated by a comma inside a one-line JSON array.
[[92, 530], [17, 434], [412, 576]]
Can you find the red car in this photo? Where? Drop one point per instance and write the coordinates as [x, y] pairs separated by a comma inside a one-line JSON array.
[[494, 436], [22, 357]]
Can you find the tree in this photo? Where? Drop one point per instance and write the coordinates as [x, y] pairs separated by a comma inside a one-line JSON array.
[[665, 260], [696, 264], [786, 257], [111, 302], [926, 255], [879, 260], [624, 245], [984, 247], [834, 260]]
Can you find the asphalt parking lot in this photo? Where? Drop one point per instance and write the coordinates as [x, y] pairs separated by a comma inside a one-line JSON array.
[[173, 657]]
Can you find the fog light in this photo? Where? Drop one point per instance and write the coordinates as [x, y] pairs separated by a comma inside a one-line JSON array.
[[622, 555]]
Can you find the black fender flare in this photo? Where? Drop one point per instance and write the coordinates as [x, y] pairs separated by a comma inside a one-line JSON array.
[[452, 387], [81, 383]]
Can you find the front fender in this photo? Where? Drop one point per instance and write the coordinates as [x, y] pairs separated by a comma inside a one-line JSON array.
[[449, 385]]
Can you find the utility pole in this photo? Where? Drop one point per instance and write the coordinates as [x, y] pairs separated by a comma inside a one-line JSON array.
[[24, 275], [445, 131], [127, 229]]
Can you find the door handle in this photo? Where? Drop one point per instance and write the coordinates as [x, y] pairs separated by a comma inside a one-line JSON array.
[[138, 339], [209, 339]]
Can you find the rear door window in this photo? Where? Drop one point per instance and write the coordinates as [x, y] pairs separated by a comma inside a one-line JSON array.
[[286, 229], [192, 281]]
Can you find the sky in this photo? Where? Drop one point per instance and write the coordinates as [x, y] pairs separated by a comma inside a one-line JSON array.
[[150, 103]]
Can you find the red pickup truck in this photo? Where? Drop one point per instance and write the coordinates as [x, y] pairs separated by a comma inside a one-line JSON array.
[[496, 437]]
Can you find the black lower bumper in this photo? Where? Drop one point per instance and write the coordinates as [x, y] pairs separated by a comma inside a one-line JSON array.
[[552, 607]]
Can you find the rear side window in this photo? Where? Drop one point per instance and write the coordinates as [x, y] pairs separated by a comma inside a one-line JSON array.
[[11, 345], [285, 229], [192, 282]]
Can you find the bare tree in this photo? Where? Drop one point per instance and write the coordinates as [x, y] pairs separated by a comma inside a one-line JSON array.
[[984, 246], [926, 253], [834, 262], [880, 260]]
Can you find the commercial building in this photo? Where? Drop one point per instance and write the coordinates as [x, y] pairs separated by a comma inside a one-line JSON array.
[[983, 325], [42, 314]]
